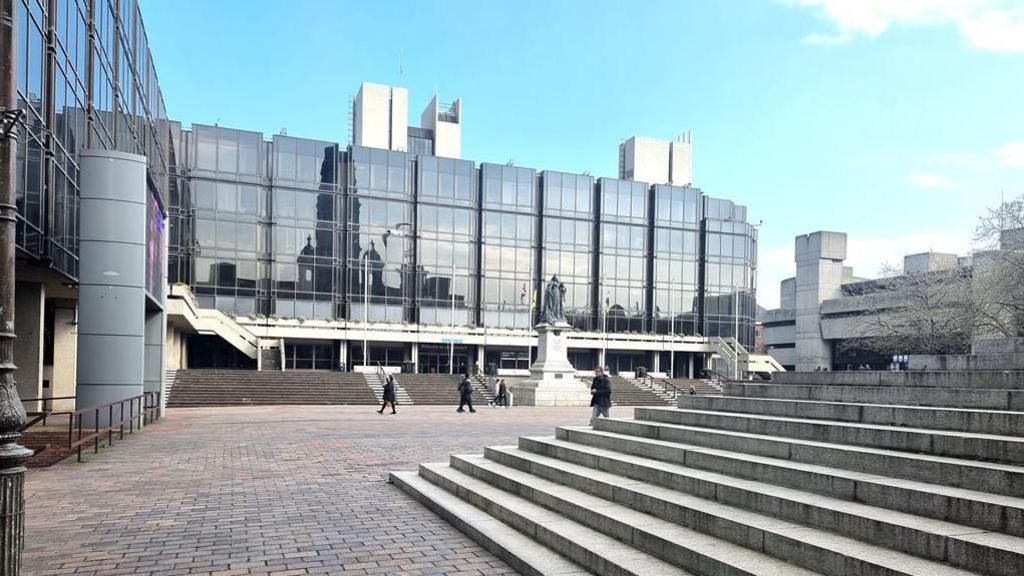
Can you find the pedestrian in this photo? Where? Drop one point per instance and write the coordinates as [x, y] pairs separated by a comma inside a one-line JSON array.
[[502, 398], [389, 395], [693, 391], [600, 395], [465, 394]]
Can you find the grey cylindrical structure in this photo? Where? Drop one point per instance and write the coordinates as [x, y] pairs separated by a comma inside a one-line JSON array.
[[112, 278]]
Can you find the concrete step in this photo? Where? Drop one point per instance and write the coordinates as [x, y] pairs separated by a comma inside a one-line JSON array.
[[612, 452], [671, 524], [591, 549], [518, 550], [658, 488], [973, 475], [940, 397], [998, 422], [993, 448], [1007, 380]]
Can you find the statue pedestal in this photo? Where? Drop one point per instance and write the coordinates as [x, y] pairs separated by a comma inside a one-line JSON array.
[[552, 380]]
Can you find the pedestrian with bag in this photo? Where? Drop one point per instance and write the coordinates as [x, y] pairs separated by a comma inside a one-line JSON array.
[[600, 395], [465, 394], [389, 395]]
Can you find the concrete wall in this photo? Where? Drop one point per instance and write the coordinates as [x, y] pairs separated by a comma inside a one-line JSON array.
[[819, 276], [381, 116], [447, 135], [681, 155], [928, 262], [65, 356], [29, 323], [787, 294], [647, 160], [998, 346]]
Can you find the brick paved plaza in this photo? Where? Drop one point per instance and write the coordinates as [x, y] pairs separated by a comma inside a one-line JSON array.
[[266, 490]]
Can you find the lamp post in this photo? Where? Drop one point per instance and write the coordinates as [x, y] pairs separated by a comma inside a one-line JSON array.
[[451, 330], [12, 413], [366, 304]]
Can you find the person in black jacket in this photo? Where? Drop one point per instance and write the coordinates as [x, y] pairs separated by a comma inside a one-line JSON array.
[[600, 395], [389, 395], [502, 398], [465, 394]]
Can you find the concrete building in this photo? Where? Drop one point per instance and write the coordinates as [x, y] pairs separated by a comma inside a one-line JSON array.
[[825, 309], [657, 161], [380, 116]]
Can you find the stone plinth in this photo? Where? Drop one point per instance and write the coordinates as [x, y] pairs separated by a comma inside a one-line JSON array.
[[552, 380]]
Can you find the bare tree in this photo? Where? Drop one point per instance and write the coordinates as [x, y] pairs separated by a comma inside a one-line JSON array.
[[997, 298], [918, 313]]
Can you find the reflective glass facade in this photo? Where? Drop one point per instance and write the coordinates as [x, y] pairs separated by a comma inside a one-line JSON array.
[[297, 228], [120, 109]]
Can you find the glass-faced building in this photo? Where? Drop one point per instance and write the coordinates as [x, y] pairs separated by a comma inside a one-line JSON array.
[[367, 255]]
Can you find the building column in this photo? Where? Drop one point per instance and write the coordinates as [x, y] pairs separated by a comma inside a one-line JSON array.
[[656, 363], [480, 357], [689, 369], [416, 357], [819, 276], [29, 325], [343, 354], [153, 358], [112, 278], [65, 355], [602, 358]]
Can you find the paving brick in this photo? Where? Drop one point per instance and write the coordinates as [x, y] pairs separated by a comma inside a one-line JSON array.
[[270, 490]]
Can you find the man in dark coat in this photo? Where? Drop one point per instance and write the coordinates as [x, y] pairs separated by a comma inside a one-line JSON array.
[[600, 395], [502, 398], [465, 394], [389, 395]]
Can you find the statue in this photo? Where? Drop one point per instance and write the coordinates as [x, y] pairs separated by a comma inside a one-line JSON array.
[[554, 302]]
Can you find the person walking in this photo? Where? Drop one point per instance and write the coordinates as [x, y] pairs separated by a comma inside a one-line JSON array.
[[502, 398], [465, 394], [600, 395], [389, 395]]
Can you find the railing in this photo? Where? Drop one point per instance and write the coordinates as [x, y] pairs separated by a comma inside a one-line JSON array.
[[43, 412], [718, 377], [136, 412]]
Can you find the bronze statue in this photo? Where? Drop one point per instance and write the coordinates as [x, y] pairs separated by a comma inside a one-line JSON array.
[[554, 301]]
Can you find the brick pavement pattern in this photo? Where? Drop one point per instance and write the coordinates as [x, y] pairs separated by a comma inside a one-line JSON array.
[[266, 490]]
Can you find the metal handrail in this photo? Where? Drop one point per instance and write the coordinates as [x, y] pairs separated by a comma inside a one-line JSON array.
[[137, 412]]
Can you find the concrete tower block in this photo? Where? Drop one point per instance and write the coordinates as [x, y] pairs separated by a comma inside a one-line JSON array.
[[112, 278], [381, 117], [819, 277]]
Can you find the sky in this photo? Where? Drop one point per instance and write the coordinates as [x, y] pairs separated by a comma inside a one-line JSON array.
[[896, 121]]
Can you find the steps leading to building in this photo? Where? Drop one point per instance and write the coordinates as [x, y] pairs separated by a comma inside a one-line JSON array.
[[198, 388], [983, 399], [629, 393], [436, 389], [955, 419], [747, 485], [376, 383]]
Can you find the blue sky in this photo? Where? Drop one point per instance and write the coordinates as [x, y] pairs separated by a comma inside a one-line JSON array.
[[896, 122]]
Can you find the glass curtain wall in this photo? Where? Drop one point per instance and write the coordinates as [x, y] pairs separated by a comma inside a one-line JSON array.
[[229, 207], [180, 215], [381, 259], [306, 202], [54, 90], [509, 245], [730, 270], [677, 217], [446, 263], [624, 277], [568, 242]]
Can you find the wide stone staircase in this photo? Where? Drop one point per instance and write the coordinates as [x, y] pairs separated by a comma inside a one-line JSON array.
[[201, 387], [627, 392], [436, 389], [701, 387], [375, 380], [874, 475]]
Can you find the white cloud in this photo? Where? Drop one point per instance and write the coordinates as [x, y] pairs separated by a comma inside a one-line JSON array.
[[994, 25], [929, 180], [1012, 154]]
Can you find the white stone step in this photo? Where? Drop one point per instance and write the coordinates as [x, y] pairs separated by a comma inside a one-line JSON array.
[[983, 399], [990, 447], [588, 548], [990, 512], [1003, 479], [518, 550], [656, 519], [1000, 422], [635, 482]]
